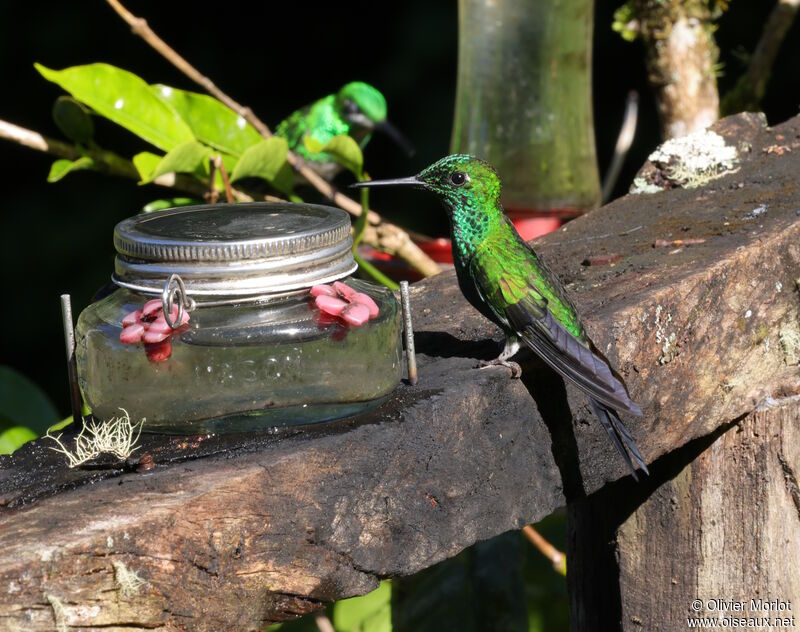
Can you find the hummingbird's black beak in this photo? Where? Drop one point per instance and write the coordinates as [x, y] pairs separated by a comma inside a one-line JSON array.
[[392, 132], [413, 181]]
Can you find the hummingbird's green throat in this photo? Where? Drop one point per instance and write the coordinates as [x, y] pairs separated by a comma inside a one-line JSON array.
[[469, 188], [504, 279]]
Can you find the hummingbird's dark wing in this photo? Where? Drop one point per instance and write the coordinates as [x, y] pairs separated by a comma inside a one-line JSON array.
[[528, 301]]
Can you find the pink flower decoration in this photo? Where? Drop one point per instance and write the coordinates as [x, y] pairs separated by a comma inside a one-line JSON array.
[[355, 314], [323, 290], [149, 326], [330, 305], [340, 300]]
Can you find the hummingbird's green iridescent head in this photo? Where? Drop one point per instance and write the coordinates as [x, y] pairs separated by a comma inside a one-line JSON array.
[[463, 181], [470, 190], [361, 104], [467, 185], [363, 108]]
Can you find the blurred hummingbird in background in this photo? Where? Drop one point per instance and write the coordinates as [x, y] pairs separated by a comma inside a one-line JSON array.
[[504, 279], [357, 109]]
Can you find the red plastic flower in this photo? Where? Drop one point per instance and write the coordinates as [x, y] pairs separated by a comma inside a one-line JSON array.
[[149, 326], [343, 302]]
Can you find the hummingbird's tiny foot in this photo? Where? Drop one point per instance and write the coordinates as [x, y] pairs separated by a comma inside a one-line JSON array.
[[516, 369]]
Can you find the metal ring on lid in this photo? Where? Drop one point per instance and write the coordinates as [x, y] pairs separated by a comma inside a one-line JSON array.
[[171, 294], [234, 252]]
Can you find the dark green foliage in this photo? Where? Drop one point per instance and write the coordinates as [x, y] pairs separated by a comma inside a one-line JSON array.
[[25, 410], [62, 167], [481, 589], [73, 120]]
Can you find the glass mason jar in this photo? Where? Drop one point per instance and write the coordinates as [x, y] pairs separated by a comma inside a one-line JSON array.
[[246, 346], [524, 103]]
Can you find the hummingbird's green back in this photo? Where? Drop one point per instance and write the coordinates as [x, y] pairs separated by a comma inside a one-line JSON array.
[[354, 110], [503, 261]]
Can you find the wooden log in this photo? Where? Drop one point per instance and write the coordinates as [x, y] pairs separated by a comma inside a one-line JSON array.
[[232, 532], [718, 539]]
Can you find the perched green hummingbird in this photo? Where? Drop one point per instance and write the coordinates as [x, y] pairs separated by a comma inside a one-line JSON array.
[[504, 279], [357, 109]]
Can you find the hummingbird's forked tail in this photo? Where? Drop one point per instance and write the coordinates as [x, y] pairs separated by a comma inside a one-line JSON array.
[[619, 435]]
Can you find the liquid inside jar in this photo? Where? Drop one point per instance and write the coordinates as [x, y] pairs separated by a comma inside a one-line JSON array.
[[241, 367]]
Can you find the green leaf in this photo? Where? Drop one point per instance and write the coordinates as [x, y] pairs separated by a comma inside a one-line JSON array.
[[313, 145], [343, 149], [68, 420], [23, 403], [14, 437], [125, 99], [146, 163], [369, 613], [626, 22], [188, 157], [62, 167], [266, 160], [73, 119], [360, 224], [210, 120], [160, 205]]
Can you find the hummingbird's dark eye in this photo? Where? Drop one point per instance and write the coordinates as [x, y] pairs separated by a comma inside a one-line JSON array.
[[458, 178], [350, 107]]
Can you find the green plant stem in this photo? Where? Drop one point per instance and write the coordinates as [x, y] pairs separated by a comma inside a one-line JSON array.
[[361, 221], [376, 274]]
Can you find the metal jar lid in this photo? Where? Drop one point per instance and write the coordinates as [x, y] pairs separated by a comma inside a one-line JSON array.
[[234, 250]]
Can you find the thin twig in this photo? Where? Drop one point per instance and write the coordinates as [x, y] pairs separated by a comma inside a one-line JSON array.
[[140, 27], [558, 559], [402, 244], [104, 161], [624, 142], [212, 195], [323, 623], [669, 243], [226, 182], [594, 237]]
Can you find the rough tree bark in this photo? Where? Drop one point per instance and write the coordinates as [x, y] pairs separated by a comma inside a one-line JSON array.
[[231, 532], [723, 529], [681, 55]]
